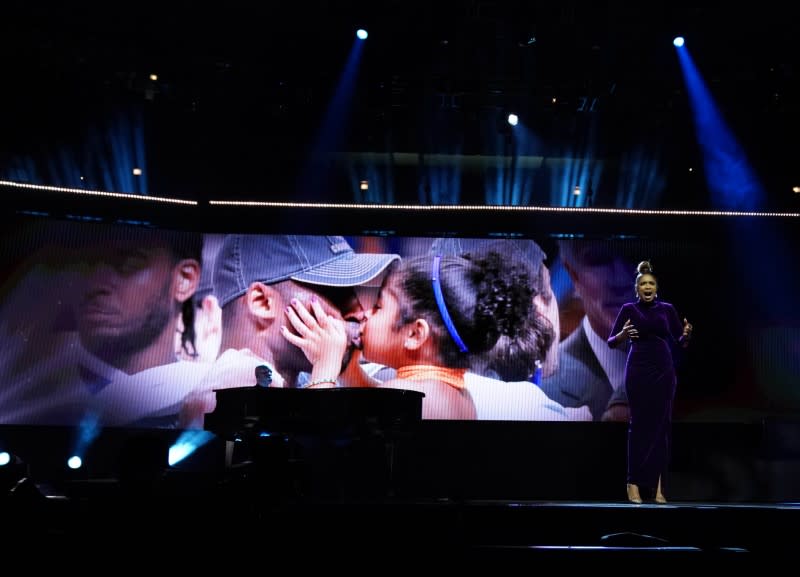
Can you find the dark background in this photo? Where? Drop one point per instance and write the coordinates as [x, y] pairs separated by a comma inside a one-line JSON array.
[[243, 87]]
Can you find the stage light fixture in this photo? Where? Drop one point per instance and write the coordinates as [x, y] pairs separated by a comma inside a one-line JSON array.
[[678, 41], [513, 119], [361, 34]]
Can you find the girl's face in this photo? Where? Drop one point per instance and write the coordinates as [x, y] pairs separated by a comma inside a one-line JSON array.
[[547, 306], [646, 288], [381, 340]]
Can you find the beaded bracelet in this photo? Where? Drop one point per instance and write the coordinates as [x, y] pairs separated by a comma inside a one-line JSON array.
[[331, 380]]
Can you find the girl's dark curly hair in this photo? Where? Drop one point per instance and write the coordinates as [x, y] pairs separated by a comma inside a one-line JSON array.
[[487, 296]]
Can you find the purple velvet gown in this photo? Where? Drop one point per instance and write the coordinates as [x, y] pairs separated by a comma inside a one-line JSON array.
[[650, 384]]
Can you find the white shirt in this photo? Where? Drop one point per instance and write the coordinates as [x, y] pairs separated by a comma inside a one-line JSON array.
[[71, 386], [517, 401]]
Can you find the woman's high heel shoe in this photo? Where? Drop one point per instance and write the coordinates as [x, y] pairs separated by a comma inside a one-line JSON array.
[[660, 498], [633, 493]]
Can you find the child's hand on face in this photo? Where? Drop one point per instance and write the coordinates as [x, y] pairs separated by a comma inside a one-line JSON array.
[[322, 337]]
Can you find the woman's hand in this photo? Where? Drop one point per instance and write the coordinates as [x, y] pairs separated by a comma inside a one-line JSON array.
[[687, 332], [628, 331]]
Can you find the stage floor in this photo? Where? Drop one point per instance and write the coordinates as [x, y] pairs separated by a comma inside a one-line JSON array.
[[460, 500], [177, 515]]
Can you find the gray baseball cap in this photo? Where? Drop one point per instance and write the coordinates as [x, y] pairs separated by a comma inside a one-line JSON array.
[[320, 260]]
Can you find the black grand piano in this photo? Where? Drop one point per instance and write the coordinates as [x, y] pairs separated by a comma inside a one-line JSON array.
[[316, 441], [329, 412]]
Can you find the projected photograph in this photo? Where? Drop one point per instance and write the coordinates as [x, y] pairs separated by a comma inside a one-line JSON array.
[[141, 327]]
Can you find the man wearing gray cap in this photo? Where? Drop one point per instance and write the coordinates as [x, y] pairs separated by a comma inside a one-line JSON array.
[[270, 287]]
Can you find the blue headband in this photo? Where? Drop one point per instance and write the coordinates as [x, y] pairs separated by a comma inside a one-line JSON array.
[[437, 293]]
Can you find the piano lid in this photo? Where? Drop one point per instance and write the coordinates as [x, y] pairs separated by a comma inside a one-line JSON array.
[[314, 411]]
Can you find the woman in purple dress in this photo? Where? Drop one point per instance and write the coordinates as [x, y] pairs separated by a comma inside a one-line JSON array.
[[654, 329]]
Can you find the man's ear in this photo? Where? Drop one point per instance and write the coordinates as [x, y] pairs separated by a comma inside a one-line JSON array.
[[187, 279], [263, 301], [418, 333]]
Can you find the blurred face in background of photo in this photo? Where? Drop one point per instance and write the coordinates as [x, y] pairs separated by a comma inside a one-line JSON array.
[[601, 278]]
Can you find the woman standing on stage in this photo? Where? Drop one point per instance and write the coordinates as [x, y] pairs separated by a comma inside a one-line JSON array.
[[653, 329]]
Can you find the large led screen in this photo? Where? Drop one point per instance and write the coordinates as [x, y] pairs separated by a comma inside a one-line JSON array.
[[138, 327]]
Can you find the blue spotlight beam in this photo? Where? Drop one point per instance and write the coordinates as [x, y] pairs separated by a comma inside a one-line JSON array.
[[315, 177], [87, 432], [730, 179], [188, 442]]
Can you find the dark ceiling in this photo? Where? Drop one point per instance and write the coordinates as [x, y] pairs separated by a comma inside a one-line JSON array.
[[242, 87]]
